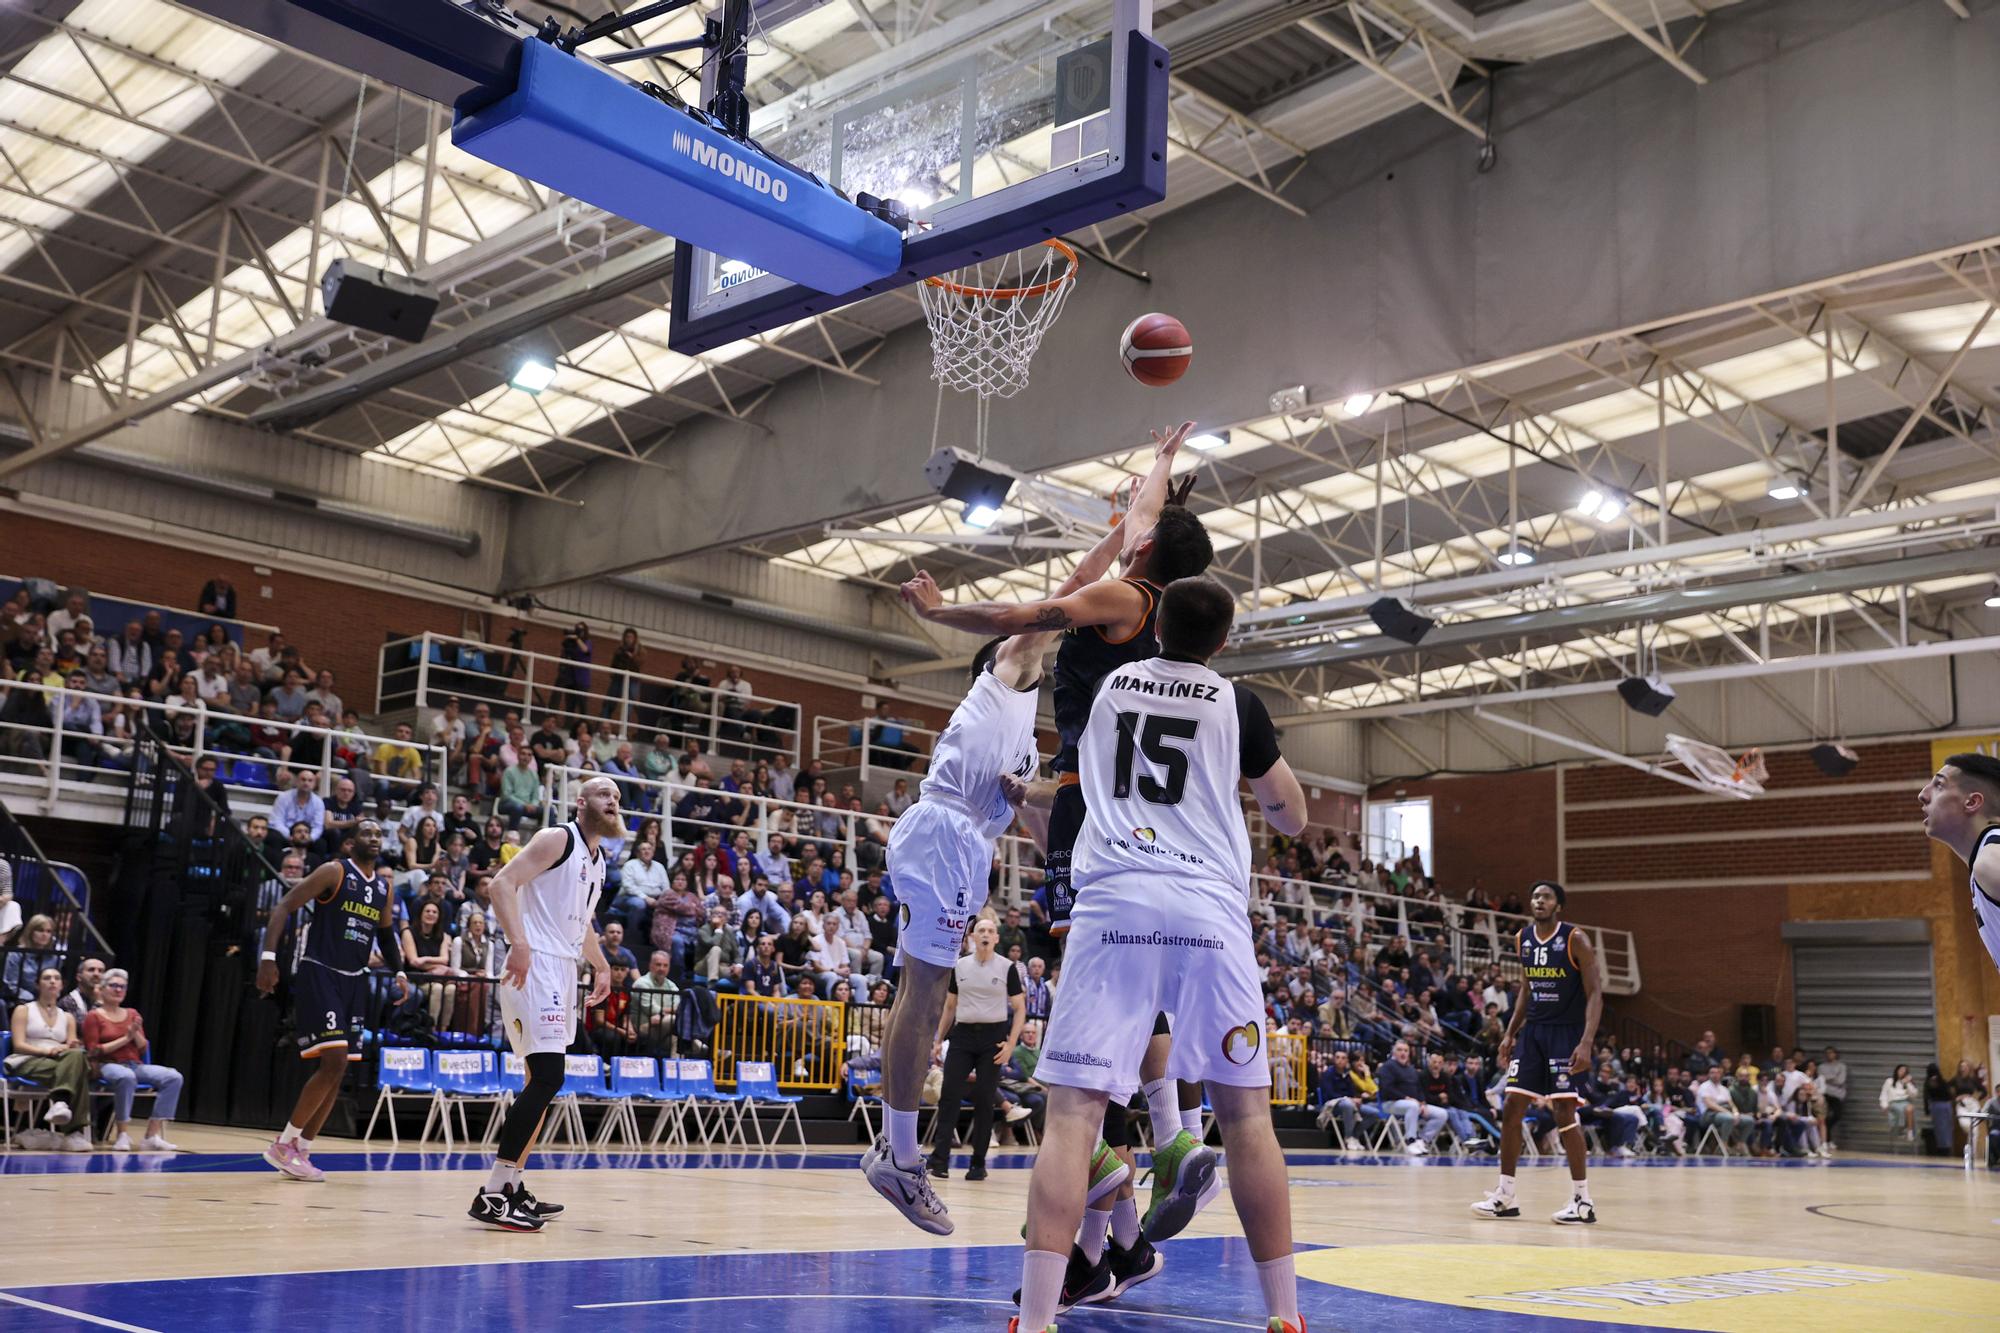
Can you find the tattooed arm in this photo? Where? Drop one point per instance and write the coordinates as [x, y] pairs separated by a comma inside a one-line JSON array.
[[1115, 605]]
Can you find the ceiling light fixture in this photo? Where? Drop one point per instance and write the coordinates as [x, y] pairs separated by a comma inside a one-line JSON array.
[[1516, 555], [533, 375], [1356, 404], [1786, 486], [979, 515], [1603, 506], [1206, 440]]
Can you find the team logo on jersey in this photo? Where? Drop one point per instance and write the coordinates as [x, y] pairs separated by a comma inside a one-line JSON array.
[[1240, 1045], [1143, 834]]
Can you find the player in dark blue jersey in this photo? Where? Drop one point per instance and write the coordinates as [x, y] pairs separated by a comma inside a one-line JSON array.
[[1550, 1039], [352, 909]]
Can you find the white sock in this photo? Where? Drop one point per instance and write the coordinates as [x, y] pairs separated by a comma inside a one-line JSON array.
[[1507, 1186], [291, 1133], [1191, 1119], [305, 1144], [1163, 1101], [1580, 1189], [1090, 1237], [902, 1127], [1125, 1223], [499, 1178], [1280, 1282], [1041, 1287]]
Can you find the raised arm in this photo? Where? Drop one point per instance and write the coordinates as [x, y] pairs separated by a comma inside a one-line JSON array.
[[1109, 604], [1152, 494]]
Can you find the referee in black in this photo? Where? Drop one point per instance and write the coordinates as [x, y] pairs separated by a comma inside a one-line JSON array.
[[983, 1013]]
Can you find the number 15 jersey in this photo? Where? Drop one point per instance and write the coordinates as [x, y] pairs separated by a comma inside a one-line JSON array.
[[1161, 759]]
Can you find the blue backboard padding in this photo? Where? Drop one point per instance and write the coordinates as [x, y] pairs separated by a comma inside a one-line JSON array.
[[1139, 179], [577, 128]]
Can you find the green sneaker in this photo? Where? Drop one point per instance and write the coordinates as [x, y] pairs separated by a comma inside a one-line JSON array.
[[1182, 1173], [1107, 1172]]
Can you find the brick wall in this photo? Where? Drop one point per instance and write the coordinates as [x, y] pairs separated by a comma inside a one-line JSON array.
[[1497, 828]]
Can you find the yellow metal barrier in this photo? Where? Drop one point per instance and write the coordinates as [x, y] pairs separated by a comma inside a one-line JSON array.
[[802, 1039], [1288, 1068]]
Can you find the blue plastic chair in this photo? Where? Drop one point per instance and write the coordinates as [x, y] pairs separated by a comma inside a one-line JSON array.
[[633, 1078], [583, 1081], [725, 1109], [757, 1085], [464, 1078], [401, 1072]]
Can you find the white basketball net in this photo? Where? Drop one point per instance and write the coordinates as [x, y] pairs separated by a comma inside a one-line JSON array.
[[987, 320], [1713, 767]]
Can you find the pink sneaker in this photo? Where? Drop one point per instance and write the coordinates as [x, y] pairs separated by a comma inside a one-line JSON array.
[[288, 1158]]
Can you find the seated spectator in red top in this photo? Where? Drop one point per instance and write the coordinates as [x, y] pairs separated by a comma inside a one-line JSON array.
[[116, 1039], [610, 1024]]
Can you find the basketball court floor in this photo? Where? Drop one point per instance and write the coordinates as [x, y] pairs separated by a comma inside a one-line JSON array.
[[785, 1242]]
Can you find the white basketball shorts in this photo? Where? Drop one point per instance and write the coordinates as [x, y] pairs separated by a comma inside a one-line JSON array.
[[541, 1016], [1140, 946], [940, 863]]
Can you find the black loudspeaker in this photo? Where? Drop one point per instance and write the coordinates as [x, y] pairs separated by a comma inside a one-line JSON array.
[[377, 300], [1760, 1029], [1400, 621], [1836, 761], [1649, 694], [959, 476]]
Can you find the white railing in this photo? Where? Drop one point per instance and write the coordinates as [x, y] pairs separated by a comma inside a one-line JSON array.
[[844, 743], [1470, 936], [61, 759], [426, 669]]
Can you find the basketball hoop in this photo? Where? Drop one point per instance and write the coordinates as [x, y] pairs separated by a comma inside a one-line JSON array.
[[1741, 777], [987, 320]]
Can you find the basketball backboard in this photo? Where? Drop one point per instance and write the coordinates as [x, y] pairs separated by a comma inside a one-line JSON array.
[[998, 129]]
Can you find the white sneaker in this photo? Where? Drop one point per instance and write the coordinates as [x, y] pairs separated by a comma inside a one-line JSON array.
[[123, 1143], [1579, 1211], [908, 1190], [1497, 1204], [157, 1143], [76, 1141], [1017, 1112], [39, 1140], [57, 1113], [1623, 1150], [1417, 1148]]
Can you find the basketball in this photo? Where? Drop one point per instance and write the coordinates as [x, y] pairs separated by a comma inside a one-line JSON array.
[[1156, 349]]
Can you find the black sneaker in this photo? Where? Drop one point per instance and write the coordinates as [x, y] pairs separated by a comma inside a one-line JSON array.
[[1084, 1282], [529, 1203], [502, 1209], [939, 1171], [977, 1171], [1131, 1267]]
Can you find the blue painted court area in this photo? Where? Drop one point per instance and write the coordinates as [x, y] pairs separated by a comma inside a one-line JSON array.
[[1208, 1284]]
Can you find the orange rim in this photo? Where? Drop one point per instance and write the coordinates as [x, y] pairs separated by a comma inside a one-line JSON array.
[[1015, 293]]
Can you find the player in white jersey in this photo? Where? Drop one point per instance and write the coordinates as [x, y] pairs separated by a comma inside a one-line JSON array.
[[1161, 923], [1961, 806], [942, 852], [545, 898]]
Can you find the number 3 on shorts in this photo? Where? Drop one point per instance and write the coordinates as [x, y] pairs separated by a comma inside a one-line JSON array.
[[331, 1021]]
